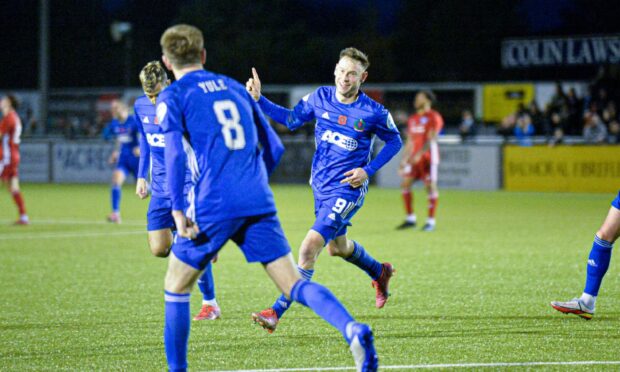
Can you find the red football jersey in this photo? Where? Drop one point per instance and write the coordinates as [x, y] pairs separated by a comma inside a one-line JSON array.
[[10, 134], [418, 127]]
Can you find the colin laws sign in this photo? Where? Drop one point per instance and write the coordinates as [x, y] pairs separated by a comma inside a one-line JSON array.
[[560, 52]]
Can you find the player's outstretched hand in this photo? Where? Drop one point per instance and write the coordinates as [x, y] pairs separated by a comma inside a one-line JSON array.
[[142, 189], [253, 86], [355, 177], [185, 228]]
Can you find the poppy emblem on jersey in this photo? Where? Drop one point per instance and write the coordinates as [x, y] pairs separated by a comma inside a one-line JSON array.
[[156, 121], [359, 125], [342, 120]]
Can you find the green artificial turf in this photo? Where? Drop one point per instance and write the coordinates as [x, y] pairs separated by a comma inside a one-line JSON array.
[[80, 294]]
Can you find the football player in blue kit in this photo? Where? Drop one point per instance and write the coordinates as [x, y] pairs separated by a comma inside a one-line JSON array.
[[160, 223], [347, 121], [213, 127], [598, 263], [125, 129]]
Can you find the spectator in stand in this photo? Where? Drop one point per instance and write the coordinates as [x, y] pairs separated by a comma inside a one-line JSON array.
[[524, 129], [594, 130], [538, 119], [609, 113], [558, 100], [467, 128], [614, 132], [507, 125], [574, 122], [557, 138]]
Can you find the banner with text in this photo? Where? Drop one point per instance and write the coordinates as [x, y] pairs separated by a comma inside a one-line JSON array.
[[83, 162], [466, 167], [570, 51], [34, 164], [562, 168]]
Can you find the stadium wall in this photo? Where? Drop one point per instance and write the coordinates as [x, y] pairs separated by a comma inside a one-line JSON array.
[[572, 168]]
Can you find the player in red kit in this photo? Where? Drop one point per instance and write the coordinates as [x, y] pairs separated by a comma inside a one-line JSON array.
[[10, 135], [421, 158]]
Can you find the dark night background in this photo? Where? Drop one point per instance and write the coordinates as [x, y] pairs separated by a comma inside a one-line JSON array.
[[297, 41]]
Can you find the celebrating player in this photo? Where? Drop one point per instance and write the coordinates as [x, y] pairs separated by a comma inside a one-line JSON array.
[[159, 218], [213, 125], [10, 132], [421, 158], [598, 263], [346, 122], [125, 155]]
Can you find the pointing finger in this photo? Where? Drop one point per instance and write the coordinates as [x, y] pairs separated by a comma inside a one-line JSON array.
[[255, 74]]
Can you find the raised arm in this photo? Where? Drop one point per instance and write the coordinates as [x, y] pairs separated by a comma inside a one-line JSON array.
[[293, 119]]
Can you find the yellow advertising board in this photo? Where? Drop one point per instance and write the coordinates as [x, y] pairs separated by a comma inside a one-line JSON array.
[[501, 100], [562, 168]]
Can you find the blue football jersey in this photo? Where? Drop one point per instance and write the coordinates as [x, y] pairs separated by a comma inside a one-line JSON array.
[[344, 136], [127, 134], [210, 122], [152, 144]]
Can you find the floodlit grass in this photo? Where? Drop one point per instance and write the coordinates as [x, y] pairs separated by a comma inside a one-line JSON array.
[[80, 294]]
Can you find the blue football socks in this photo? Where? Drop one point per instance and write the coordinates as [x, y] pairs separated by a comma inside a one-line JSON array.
[[598, 263], [116, 198], [364, 261], [323, 303], [176, 330], [206, 285], [282, 303]]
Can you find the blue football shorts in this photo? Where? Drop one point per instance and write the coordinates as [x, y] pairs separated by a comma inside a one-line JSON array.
[[260, 238], [333, 216], [616, 202], [159, 214], [128, 164]]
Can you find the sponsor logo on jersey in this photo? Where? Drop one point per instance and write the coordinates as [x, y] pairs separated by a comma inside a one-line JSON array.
[[155, 139], [342, 120], [162, 110], [423, 120], [359, 125], [340, 140]]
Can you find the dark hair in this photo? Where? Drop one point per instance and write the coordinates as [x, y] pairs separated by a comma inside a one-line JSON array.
[[13, 100], [429, 96]]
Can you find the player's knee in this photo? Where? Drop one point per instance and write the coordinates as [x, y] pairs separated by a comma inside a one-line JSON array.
[[606, 234], [160, 250]]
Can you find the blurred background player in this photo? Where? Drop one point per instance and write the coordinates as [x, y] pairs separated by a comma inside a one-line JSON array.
[[10, 133], [421, 158], [159, 219], [346, 122], [598, 263], [231, 198], [125, 155]]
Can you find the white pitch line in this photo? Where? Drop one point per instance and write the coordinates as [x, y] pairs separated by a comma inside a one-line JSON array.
[[76, 222], [47, 235], [436, 366]]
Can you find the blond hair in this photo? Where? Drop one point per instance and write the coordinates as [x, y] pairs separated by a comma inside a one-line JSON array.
[[182, 45], [356, 55], [153, 78]]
